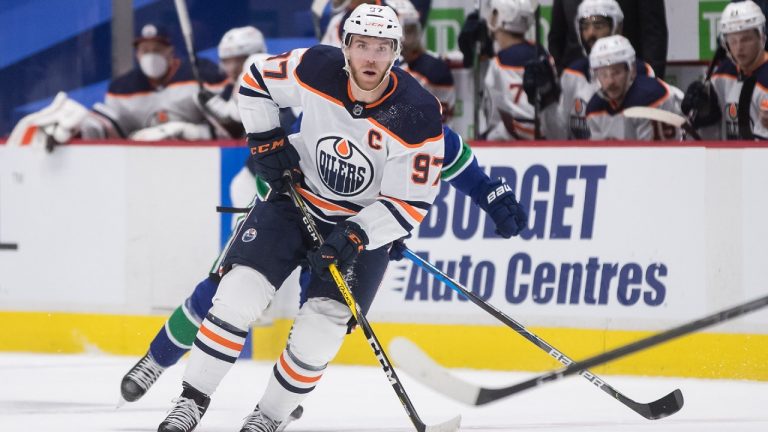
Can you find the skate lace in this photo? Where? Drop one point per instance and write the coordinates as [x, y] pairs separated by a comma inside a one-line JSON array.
[[258, 422], [146, 372], [185, 415]]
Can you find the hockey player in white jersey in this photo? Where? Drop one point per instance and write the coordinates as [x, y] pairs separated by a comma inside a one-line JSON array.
[[567, 119], [157, 100], [734, 106], [367, 161], [511, 115], [433, 73], [237, 46], [153, 101], [614, 65]]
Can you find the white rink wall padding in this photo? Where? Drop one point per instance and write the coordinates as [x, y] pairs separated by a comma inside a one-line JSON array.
[[100, 241]]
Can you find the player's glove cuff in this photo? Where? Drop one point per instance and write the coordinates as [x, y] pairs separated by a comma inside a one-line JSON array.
[[272, 155], [341, 247]]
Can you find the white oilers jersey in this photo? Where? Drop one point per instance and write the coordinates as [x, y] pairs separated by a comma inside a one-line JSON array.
[[332, 35], [607, 122], [137, 105], [511, 115], [728, 85], [377, 164], [578, 87]]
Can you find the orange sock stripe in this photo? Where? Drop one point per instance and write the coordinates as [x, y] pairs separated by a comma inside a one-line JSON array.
[[295, 375], [220, 340]]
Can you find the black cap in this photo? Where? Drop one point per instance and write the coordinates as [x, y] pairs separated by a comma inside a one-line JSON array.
[[155, 32]]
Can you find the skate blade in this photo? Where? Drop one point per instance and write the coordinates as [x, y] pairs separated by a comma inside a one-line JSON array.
[[120, 403]]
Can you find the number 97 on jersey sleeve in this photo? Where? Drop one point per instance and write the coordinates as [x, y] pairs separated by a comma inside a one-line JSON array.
[[422, 168]]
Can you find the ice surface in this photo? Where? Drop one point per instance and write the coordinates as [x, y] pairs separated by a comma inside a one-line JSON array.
[[60, 393]]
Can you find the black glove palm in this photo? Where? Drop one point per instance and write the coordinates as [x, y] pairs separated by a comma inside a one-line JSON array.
[[540, 77], [272, 155], [473, 31], [341, 247], [702, 99]]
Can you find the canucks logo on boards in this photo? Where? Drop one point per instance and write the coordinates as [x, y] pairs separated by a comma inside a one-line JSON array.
[[342, 166]]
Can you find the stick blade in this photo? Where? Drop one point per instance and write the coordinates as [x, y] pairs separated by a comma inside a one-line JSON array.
[[411, 359], [451, 425], [656, 114], [663, 407]]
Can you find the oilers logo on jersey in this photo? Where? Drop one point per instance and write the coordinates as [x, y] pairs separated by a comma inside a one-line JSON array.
[[578, 119], [342, 166], [249, 235]]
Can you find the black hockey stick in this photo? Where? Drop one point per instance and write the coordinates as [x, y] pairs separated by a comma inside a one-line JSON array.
[[378, 350], [186, 32], [492, 394], [657, 409], [722, 316], [537, 98]]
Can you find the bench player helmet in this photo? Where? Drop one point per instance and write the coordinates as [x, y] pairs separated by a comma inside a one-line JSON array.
[[613, 50], [241, 42], [609, 9], [741, 16], [406, 12], [514, 16]]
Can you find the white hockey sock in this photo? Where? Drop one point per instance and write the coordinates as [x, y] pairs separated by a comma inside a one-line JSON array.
[[216, 348], [289, 384], [242, 296], [316, 337]]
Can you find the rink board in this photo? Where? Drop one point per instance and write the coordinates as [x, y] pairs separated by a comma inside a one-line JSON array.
[[623, 241], [703, 355]]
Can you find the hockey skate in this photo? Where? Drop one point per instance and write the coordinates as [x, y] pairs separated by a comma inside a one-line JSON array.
[[257, 421], [186, 414], [140, 378]]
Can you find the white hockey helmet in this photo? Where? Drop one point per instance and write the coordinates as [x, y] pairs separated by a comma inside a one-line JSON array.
[[241, 42], [406, 12], [612, 50], [376, 21], [605, 8], [740, 16], [514, 16]]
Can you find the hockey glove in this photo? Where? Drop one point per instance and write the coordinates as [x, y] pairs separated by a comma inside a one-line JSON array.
[[473, 31], [272, 155], [173, 130], [500, 203], [396, 250], [702, 99], [341, 247], [213, 104], [540, 77]]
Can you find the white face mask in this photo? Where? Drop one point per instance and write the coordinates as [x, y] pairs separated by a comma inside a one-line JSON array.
[[153, 65]]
